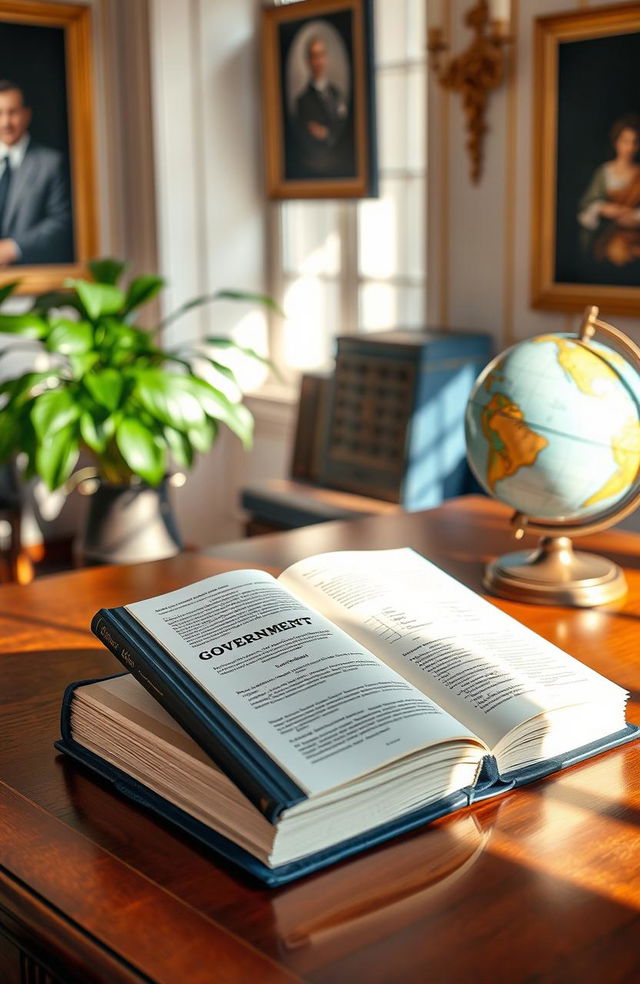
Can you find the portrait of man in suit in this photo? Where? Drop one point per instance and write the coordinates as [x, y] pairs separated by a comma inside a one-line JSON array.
[[319, 100], [35, 203], [321, 109], [319, 82]]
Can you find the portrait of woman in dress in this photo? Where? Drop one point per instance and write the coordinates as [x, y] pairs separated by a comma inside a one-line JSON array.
[[609, 210]]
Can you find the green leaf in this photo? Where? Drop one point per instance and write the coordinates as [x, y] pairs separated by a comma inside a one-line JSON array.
[[31, 325], [56, 457], [69, 337], [9, 433], [52, 411], [228, 343], [27, 446], [202, 437], [180, 447], [241, 423], [93, 433], [139, 448], [217, 405], [163, 357], [214, 403], [98, 299], [141, 290], [56, 299], [220, 367], [250, 298], [220, 295], [82, 363], [105, 386], [110, 424], [115, 334], [8, 289], [169, 398], [107, 270], [20, 389]]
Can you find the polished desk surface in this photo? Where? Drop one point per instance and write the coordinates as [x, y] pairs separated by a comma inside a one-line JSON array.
[[542, 885]]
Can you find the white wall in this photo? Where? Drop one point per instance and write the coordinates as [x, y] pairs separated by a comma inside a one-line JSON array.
[[211, 216]]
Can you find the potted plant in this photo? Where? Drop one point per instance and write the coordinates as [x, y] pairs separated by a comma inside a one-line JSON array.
[[107, 389]]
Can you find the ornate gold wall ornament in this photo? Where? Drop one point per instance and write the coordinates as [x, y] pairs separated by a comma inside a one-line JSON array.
[[473, 73]]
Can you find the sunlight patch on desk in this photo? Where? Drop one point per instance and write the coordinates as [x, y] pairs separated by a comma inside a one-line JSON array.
[[571, 842]]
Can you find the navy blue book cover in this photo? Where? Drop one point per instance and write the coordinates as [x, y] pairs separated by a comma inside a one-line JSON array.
[[488, 784]]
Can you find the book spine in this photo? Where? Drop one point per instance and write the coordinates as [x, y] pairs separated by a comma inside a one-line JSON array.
[[110, 637], [134, 660]]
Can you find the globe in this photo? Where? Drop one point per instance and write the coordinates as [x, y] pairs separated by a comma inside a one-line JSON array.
[[553, 427]]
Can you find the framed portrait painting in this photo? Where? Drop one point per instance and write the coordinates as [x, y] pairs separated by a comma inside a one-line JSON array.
[[586, 178], [318, 100], [48, 219]]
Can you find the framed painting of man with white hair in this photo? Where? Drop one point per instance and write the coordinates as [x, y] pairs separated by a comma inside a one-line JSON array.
[[47, 199], [318, 90]]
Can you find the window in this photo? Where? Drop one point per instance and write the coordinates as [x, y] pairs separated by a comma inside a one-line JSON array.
[[341, 267]]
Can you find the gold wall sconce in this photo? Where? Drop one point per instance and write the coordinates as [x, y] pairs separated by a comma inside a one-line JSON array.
[[475, 71]]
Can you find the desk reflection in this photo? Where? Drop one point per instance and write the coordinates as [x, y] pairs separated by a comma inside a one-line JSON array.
[[383, 889]]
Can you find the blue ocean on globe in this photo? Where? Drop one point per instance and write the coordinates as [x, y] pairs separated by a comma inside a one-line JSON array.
[[553, 427]]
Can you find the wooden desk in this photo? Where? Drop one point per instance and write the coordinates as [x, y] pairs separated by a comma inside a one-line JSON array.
[[541, 886]]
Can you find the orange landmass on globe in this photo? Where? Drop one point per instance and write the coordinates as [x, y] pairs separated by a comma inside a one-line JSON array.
[[625, 446], [494, 377], [583, 365], [512, 444]]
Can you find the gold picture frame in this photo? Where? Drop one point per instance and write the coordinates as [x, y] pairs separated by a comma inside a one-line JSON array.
[[326, 157], [74, 21], [585, 90]]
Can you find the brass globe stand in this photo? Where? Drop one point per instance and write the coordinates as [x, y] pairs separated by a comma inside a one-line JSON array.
[[554, 573]]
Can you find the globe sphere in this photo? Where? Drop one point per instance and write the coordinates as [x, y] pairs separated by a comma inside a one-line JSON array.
[[553, 427]]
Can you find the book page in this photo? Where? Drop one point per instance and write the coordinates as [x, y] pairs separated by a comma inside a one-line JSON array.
[[484, 667], [316, 700]]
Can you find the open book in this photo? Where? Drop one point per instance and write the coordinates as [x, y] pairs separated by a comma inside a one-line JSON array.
[[359, 694]]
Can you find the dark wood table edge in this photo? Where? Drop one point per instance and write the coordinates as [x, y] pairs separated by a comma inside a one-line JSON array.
[[65, 939]]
